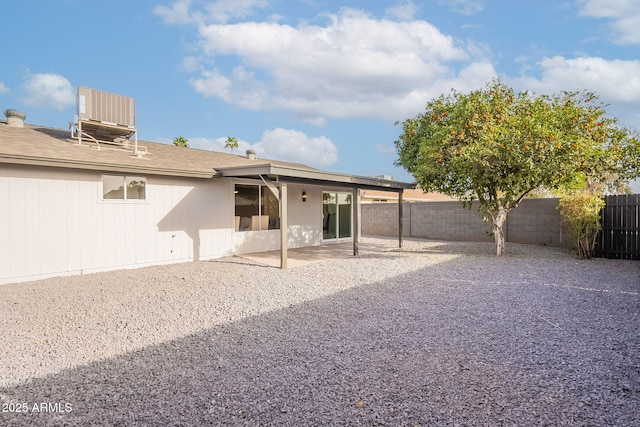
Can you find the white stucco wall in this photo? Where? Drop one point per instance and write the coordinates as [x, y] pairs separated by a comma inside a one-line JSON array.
[[53, 222], [304, 224], [305, 218]]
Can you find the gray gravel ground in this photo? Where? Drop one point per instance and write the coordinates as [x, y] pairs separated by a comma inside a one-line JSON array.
[[439, 333]]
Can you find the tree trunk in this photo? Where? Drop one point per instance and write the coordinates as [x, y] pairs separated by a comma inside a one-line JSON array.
[[499, 220]]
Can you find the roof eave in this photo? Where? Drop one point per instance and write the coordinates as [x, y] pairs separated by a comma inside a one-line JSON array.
[[98, 166], [290, 173]]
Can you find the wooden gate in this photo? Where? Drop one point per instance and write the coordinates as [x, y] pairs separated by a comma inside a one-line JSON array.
[[620, 235]]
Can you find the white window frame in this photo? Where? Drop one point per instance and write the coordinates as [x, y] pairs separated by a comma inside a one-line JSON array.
[[124, 180]]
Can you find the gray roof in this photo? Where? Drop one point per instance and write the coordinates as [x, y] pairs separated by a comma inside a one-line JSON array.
[[43, 146]]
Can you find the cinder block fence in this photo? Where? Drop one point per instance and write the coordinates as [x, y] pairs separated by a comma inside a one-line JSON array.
[[535, 221]]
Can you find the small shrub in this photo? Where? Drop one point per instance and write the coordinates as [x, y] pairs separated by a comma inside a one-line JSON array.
[[581, 218]]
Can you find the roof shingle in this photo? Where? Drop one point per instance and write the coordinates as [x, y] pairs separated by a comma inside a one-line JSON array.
[[38, 145]]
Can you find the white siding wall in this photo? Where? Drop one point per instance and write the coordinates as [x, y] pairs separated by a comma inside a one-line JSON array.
[[53, 222]]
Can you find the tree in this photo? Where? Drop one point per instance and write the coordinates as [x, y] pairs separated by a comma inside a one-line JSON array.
[[181, 142], [496, 147], [231, 143]]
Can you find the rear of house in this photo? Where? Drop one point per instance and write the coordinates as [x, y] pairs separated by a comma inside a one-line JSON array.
[[74, 208]]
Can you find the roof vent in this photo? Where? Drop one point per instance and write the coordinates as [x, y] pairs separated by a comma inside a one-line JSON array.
[[15, 118], [387, 177], [251, 155]]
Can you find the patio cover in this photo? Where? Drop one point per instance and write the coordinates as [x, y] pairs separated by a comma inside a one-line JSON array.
[[283, 174]]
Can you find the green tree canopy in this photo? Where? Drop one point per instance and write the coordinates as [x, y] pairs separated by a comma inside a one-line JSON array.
[[181, 142], [231, 143], [496, 146]]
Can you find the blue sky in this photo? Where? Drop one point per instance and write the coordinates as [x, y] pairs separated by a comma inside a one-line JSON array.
[[311, 81]]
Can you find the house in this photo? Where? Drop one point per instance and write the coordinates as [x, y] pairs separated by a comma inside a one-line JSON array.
[[74, 205]]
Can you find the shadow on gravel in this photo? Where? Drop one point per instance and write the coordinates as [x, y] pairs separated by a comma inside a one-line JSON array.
[[412, 350]]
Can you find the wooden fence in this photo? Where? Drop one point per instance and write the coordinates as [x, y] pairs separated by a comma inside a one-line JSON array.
[[620, 235]]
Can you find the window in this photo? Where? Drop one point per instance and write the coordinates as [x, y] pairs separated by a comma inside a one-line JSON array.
[[256, 208], [117, 187]]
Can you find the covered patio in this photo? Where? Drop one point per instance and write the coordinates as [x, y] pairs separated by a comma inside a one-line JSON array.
[[277, 178]]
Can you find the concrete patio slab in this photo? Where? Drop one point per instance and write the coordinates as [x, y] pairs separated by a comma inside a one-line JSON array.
[[311, 254]]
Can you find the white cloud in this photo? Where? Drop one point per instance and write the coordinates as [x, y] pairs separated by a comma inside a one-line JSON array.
[[217, 144], [240, 88], [190, 64], [472, 77], [224, 10], [354, 66], [178, 13], [295, 146], [3, 89], [213, 83], [280, 144], [624, 16], [404, 10], [465, 7], [221, 11], [615, 80], [48, 91]]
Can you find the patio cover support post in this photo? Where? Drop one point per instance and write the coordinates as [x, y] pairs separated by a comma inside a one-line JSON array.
[[355, 204], [400, 218], [284, 241]]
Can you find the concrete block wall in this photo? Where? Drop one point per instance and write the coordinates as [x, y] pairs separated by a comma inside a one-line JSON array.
[[538, 222], [448, 221], [535, 221], [381, 219]]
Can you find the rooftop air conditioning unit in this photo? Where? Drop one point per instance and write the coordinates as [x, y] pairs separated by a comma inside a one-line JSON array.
[[105, 107], [106, 118]]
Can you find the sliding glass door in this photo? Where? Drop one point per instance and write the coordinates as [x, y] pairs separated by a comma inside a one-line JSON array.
[[336, 215]]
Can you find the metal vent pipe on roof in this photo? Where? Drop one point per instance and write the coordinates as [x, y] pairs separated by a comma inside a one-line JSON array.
[[15, 118]]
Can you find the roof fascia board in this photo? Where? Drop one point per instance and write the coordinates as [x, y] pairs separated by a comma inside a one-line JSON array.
[[244, 171], [334, 184], [293, 174]]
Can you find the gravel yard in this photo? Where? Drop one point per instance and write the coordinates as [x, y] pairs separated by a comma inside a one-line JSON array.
[[436, 333]]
